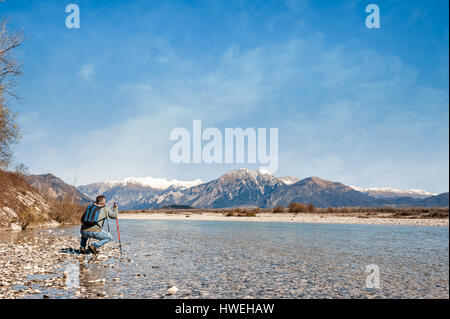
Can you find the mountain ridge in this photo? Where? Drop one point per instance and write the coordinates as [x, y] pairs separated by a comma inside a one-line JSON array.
[[246, 187]]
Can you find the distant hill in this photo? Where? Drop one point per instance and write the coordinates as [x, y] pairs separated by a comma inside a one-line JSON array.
[[55, 187], [441, 200]]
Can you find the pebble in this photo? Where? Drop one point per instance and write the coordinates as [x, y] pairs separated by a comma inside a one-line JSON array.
[[172, 290]]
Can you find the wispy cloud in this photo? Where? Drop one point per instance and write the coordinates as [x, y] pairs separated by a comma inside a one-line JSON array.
[[87, 72]]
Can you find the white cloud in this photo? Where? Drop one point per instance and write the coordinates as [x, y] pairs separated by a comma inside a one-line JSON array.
[[87, 72]]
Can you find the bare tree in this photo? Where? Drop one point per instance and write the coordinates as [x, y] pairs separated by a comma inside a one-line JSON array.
[[10, 69]]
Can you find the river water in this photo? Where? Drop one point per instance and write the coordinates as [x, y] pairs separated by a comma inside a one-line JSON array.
[[206, 259]]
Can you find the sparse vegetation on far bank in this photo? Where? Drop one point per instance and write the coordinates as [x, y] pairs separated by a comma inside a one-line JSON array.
[[242, 212], [360, 212]]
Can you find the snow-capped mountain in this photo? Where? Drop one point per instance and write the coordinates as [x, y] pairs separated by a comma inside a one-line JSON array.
[[288, 180], [384, 192], [155, 183], [242, 187], [131, 190], [246, 187]]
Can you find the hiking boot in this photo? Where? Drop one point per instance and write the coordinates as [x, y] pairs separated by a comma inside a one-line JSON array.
[[93, 249], [83, 250]]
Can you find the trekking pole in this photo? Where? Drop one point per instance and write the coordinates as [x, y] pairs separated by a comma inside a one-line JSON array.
[[118, 231], [118, 234]]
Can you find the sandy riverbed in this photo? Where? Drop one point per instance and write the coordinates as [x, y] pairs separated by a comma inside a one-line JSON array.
[[289, 218]]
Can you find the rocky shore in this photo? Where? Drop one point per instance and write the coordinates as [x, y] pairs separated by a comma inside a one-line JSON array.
[[35, 265]]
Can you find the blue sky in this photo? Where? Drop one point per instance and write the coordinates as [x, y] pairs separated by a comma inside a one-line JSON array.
[[367, 107]]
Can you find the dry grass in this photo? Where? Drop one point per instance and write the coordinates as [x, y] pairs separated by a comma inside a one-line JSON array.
[[10, 183], [66, 210], [29, 216]]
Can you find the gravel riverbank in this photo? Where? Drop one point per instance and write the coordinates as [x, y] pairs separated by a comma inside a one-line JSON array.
[[42, 262]]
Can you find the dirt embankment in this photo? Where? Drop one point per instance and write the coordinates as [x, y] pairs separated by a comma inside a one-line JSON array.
[[22, 206]]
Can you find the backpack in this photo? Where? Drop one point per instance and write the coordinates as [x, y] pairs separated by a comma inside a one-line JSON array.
[[90, 216]]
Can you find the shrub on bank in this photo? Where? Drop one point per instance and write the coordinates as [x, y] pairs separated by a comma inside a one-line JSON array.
[[279, 209], [297, 208], [66, 210], [242, 212], [29, 216]]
